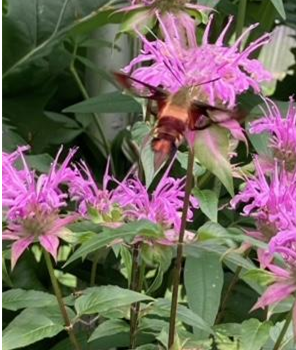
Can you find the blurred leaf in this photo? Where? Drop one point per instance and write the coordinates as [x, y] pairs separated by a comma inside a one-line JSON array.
[[40, 162], [109, 328], [102, 299], [111, 102], [254, 334], [126, 231], [5, 276], [16, 299], [31, 33], [10, 139], [203, 278], [30, 326], [211, 148], [208, 202], [278, 4]]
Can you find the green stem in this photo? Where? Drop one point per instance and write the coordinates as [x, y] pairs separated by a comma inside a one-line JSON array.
[[242, 7], [178, 262], [229, 290], [96, 118], [94, 267], [284, 330], [58, 294], [228, 293], [136, 286]]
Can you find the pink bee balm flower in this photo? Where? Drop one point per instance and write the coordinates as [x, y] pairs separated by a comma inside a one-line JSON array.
[[282, 129], [85, 191], [163, 206], [272, 202], [222, 72], [284, 278], [176, 14], [32, 204], [284, 243]]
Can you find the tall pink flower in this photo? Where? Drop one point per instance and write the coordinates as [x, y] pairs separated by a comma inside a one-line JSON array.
[[184, 65], [163, 206], [32, 204], [271, 200], [282, 130]]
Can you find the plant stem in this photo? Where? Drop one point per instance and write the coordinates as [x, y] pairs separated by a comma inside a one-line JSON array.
[[58, 294], [93, 272], [229, 290], [228, 293], [96, 118], [136, 286], [178, 262], [242, 7], [284, 330]]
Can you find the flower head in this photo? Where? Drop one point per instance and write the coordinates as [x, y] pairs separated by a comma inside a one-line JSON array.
[[84, 190], [176, 14], [284, 278], [284, 243], [32, 203], [212, 72], [163, 206], [282, 130], [271, 201]]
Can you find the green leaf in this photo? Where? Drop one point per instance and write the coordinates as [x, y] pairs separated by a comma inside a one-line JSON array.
[[126, 232], [109, 328], [278, 4], [196, 249], [261, 277], [30, 326], [16, 299], [211, 148], [162, 308], [5, 275], [111, 102], [208, 202], [254, 334], [31, 34], [140, 135], [203, 277], [212, 230], [102, 299], [40, 162]]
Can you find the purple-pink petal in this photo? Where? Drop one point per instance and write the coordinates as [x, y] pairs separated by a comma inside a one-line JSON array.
[[18, 248], [50, 243]]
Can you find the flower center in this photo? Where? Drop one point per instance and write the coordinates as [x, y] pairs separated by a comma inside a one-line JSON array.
[[170, 5], [39, 224]]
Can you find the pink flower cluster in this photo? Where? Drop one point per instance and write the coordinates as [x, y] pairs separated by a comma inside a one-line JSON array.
[[35, 205], [270, 197], [221, 72]]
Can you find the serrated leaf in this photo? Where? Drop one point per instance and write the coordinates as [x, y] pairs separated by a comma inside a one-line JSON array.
[[30, 326], [109, 328], [111, 102], [254, 334], [125, 232], [102, 299], [203, 278], [208, 202], [16, 299], [162, 308], [211, 148]]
